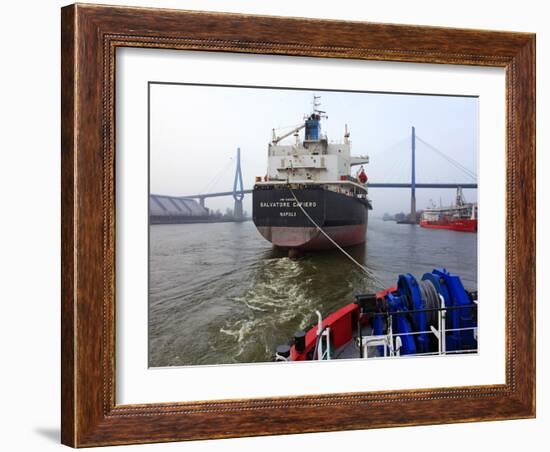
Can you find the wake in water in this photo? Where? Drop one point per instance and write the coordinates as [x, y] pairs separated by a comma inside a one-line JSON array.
[[219, 293], [280, 300]]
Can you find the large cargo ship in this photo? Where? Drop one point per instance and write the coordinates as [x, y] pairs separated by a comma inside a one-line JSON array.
[[308, 199], [460, 217]]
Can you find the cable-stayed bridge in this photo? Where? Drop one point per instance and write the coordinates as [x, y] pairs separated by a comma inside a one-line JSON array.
[[468, 177]]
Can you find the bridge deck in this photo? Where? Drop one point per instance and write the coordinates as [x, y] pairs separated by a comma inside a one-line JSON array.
[[369, 185]]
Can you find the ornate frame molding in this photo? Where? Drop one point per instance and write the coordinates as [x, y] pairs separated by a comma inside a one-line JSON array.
[[90, 36]]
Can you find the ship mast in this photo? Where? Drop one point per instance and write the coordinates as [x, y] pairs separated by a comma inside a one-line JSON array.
[[316, 103], [459, 197]]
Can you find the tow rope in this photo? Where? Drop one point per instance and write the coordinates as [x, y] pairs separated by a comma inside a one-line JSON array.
[[368, 272]]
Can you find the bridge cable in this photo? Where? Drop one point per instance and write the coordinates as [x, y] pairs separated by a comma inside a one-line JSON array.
[[391, 147], [401, 166], [368, 272], [453, 162], [216, 177], [397, 163]]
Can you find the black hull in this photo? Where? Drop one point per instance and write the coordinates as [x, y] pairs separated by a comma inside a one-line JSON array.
[[280, 220]]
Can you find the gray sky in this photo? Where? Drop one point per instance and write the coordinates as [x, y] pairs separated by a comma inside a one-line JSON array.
[[195, 131]]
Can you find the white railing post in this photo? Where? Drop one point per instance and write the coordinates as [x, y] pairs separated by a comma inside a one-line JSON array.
[[398, 344], [442, 329], [328, 342], [390, 336], [319, 339]]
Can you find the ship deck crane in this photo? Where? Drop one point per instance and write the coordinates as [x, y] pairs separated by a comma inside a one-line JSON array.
[[276, 138]]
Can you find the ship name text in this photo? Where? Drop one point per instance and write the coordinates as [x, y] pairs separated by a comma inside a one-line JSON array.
[[287, 204]]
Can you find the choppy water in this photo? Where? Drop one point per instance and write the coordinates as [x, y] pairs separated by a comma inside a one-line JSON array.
[[219, 293]]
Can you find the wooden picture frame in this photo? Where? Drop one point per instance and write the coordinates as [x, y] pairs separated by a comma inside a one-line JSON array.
[[90, 35]]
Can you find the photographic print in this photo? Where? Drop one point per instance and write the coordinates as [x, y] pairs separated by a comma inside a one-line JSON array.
[[306, 224], [242, 210]]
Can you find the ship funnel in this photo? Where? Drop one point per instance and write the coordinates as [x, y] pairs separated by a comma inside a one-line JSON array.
[[313, 121], [313, 127]]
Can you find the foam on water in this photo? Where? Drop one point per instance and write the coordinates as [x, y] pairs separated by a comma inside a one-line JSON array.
[[220, 294]]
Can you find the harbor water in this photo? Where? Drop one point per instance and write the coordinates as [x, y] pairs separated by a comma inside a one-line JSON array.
[[219, 293]]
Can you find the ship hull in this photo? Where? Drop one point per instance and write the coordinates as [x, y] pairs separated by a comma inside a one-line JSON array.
[[465, 225], [280, 220]]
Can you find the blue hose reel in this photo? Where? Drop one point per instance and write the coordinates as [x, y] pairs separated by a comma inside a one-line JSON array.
[[416, 306]]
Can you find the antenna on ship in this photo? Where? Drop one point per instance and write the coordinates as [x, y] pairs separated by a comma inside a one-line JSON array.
[[316, 104], [459, 197]]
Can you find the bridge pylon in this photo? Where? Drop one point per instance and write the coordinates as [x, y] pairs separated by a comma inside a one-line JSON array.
[[412, 216], [238, 189]]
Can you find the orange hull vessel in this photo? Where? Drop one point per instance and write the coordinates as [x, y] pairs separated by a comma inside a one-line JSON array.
[[464, 225], [462, 216]]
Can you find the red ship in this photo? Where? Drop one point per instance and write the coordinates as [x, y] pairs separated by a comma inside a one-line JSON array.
[[460, 217]]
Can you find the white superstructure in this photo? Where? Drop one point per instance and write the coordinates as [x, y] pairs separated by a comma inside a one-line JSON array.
[[313, 159]]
